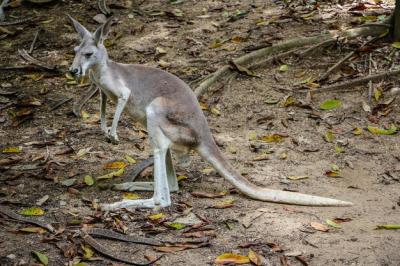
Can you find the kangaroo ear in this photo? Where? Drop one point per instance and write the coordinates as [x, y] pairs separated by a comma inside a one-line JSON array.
[[81, 30], [101, 33]]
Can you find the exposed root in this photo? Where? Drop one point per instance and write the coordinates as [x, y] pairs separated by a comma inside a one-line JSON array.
[[252, 58], [357, 81]]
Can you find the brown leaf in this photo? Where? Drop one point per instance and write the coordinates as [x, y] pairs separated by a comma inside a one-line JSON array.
[[201, 194], [319, 227], [302, 260], [199, 234], [274, 247], [255, 258], [339, 220], [229, 258]]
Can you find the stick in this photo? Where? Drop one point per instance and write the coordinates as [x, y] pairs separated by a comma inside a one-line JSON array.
[[77, 108], [25, 55], [34, 42], [15, 22], [59, 103], [103, 250], [4, 210], [357, 81], [103, 7], [125, 238], [370, 82]]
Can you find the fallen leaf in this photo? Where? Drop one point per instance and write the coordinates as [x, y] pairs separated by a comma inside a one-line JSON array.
[[284, 68], [229, 258], [332, 173], [388, 226], [381, 131], [207, 171], [41, 257], [396, 45], [330, 104], [37, 230], [215, 44], [377, 94], [357, 131], [129, 159], [83, 152], [292, 177], [200, 234], [157, 216], [339, 220], [33, 211], [255, 258], [115, 165], [176, 226], [215, 111], [11, 150], [319, 227], [87, 252], [332, 223], [329, 136], [224, 204], [272, 138], [130, 196], [339, 149], [88, 180], [181, 177], [200, 194], [112, 174]]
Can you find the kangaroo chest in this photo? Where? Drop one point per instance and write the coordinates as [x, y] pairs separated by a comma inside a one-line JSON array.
[[116, 89]]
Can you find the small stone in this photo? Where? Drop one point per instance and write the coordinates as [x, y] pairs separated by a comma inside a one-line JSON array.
[[11, 256], [131, 15], [6, 85], [100, 18], [62, 203], [395, 91]]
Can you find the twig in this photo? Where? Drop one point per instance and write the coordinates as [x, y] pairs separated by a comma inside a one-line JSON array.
[[105, 233], [4, 210], [27, 68], [103, 7], [370, 82], [34, 42], [336, 66], [59, 103], [357, 81], [15, 22], [77, 108], [103, 250], [24, 54]]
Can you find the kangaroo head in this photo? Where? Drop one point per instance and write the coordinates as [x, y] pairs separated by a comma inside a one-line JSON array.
[[91, 51]]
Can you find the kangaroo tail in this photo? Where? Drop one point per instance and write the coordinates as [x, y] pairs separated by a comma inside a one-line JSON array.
[[210, 152]]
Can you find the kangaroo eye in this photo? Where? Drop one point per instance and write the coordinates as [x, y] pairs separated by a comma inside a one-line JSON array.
[[88, 54]]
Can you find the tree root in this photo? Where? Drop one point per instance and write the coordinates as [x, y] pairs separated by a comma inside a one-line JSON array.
[[357, 81], [263, 54]]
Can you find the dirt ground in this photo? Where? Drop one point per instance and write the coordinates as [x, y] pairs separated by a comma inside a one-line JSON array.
[[192, 45]]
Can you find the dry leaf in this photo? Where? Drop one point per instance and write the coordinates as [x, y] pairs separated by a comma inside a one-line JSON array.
[[229, 258], [319, 227]]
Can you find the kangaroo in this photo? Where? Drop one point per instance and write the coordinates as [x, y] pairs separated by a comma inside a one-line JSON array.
[[168, 108]]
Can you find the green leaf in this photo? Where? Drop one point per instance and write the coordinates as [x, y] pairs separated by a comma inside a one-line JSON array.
[[330, 104], [87, 252], [284, 68], [388, 226], [88, 180], [332, 223], [381, 131], [157, 216], [41, 257], [34, 211], [329, 136], [130, 196], [12, 150], [176, 226], [396, 45]]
